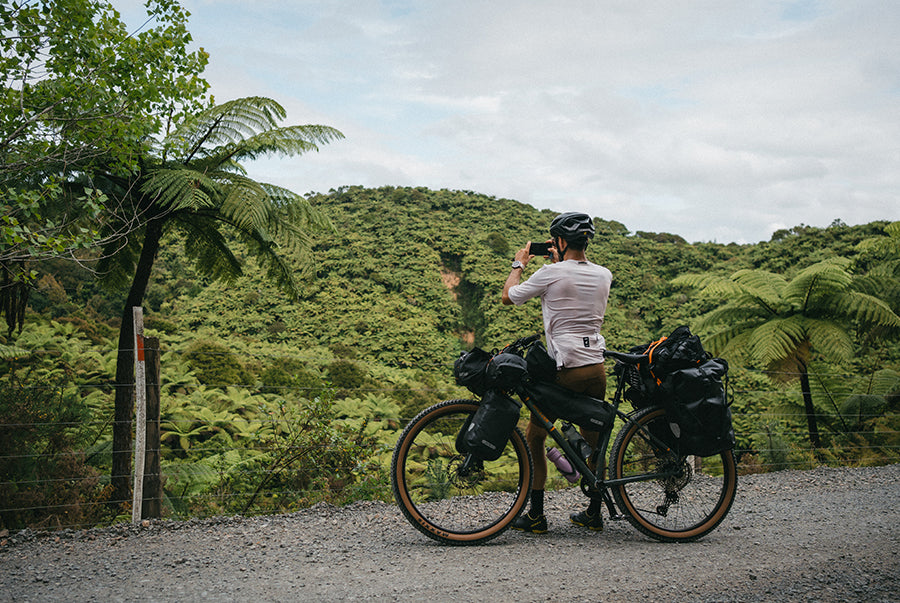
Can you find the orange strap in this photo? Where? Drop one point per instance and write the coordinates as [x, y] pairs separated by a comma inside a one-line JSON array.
[[650, 351]]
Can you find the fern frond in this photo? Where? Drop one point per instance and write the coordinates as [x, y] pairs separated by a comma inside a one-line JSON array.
[[708, 284], [228, 123], [815, 282], [246, 204], [277, 267], [829, 338], [9, 352], [864, 308], [177, 188], [884, 382], [206, 245], [729, 342], [287, 141], [733, 314], [887, 245], [776, 340], [298, 210], [765, 287]]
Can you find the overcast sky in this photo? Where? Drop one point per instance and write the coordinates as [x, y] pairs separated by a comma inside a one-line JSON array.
[[716, 120]]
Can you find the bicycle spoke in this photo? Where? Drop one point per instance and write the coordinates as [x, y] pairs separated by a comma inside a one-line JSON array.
[[685, 504], [448, 498]]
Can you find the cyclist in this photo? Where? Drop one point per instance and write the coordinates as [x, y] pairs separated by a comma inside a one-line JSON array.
[[574, 294]]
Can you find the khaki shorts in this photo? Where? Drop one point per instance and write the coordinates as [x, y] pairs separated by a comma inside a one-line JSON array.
[[590, 380]]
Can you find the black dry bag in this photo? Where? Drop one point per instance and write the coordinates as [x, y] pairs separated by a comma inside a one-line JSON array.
[[563, 403], [469, 370], [505, 371], [541, 365], [485, 433], [696, 400]]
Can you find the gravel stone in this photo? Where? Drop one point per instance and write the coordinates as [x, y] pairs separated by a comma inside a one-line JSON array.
[[821, 535]]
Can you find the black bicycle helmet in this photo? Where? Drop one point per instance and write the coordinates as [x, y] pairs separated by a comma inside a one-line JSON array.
[[572, 226]]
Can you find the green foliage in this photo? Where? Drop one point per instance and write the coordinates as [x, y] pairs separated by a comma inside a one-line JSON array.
[[43, 474], [410, 277], [215, 364], [346, 374], [285, 374], [80, 91]]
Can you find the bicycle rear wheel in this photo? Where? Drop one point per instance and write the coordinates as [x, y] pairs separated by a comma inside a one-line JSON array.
[[445, 500], [683, 507]]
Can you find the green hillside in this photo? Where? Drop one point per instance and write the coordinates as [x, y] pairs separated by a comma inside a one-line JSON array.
[[410, 277]]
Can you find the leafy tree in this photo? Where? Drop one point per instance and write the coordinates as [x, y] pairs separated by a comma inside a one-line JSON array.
[[783, 324], [192, 184], [79, 91], [888, 245]]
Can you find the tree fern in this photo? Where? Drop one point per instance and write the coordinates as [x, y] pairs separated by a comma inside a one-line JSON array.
[[783, 324], [195, 183]]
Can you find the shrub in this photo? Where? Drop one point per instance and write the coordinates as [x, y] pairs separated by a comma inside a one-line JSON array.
[[215, 364], [44, 480]]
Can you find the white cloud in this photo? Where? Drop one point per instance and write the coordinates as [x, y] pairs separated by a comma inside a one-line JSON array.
[[713, 120]]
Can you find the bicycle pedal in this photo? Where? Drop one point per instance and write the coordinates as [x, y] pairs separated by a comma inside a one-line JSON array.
[[617, 517]]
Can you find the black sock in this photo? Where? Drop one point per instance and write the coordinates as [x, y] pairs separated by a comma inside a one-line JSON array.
[[594, 507], [537, 503]]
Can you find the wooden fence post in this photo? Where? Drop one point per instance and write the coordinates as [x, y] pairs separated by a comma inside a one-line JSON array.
[[153, 490], [140, 415]]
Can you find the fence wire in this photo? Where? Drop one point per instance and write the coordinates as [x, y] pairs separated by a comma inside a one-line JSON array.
[[196, 487]]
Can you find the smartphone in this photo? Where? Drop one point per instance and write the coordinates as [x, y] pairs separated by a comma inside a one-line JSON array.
[[540, 249]]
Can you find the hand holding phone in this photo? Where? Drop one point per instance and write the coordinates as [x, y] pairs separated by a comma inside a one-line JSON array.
[[540, 249]]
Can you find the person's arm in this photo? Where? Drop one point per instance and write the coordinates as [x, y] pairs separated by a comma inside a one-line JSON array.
[[515, 275]]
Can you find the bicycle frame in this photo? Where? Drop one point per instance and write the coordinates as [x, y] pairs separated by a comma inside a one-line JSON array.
[[593, 483]]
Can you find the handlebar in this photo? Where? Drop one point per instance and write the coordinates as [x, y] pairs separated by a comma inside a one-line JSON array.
[[519, 345]]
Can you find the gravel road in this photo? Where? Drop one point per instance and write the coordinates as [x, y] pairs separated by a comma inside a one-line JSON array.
[[821, 535]]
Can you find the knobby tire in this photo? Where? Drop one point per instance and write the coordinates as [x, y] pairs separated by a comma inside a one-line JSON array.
[[440, 502], [683, 507]]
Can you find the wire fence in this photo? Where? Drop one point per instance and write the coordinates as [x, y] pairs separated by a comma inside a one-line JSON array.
[[258, 455]]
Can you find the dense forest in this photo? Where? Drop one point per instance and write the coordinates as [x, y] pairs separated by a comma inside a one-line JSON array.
[[272, 403]]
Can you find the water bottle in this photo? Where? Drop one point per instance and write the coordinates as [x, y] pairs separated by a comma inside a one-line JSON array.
[[563, 464], [577, 441]]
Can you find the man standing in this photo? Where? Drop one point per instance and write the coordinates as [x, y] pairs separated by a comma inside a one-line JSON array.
[[573, 294]]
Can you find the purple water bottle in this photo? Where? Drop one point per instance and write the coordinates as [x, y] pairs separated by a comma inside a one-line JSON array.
[[563, 464]]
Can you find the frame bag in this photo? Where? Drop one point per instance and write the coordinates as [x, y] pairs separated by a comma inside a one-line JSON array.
[[562, 403], [486, 431]]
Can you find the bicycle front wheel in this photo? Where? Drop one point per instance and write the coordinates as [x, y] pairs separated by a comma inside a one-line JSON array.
[[444, 497], [690, 497]]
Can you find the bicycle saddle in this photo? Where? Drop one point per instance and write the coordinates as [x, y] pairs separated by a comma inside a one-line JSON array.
[[623, 357]]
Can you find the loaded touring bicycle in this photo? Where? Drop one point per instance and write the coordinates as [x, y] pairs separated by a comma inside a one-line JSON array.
[[461, 471]]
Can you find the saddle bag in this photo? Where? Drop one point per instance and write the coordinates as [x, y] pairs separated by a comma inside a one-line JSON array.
[[562, 403], [486, 431]]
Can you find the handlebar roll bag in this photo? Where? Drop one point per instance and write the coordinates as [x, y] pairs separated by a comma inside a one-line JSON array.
[[469, 370]]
